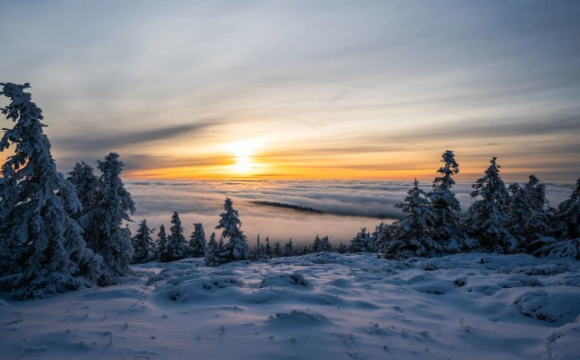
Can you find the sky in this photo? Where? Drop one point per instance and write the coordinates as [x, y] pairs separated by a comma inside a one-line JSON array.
[[303, 89]]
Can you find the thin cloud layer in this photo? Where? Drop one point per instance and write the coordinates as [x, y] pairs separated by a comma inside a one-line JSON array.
[[347, 205]]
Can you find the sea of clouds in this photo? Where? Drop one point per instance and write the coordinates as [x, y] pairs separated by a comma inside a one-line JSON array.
[[347, 205]]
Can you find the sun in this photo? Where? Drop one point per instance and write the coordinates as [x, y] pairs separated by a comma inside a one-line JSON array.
[[244, 156]]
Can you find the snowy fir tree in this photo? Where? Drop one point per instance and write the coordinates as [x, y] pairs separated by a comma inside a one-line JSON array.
[[382, 234], [197, 243], [361, 242], [446, 227], [143, 247], [487, 219], [413, 237], [342, 249], [325, 245], [211, 244], [315, 246], [42, 251], [236, 248], [519, 213], [177, 248], [568, 215], [277, 251], [86, 185], [538, 225], [161, 244], [289, 248], [107, 236], [566, 228], [268, 248], [258, 252]]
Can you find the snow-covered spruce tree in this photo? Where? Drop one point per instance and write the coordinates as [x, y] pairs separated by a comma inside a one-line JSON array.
[[342, 249], [486, 221], [527, 218], [316, 244], [86, 186], [289, 248], [539, 224], [361, 242], [161, 244], [413, 236], [176, 245], [236, 248], [568, 215], [42, 251], [197, 243], [567, 229], [211, 244], [325, 245], [107, 237], [268, 248], [143, 247], [383, 233], [518, 214], [446, 228], [277, 251]]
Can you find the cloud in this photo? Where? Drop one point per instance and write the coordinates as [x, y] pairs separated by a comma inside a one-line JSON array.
[[348, 205]]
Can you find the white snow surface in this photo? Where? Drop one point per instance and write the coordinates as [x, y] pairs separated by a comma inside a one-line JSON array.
[[318, 306]]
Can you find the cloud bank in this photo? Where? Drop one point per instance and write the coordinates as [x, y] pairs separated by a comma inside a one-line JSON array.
[[348, 205]]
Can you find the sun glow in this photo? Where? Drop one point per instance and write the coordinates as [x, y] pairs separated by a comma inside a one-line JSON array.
[[244, 156]]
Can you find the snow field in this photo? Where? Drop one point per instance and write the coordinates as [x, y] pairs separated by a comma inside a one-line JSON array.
[[318, 306]]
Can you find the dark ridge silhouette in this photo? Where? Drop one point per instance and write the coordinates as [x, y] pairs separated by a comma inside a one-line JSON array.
[[286, 206]]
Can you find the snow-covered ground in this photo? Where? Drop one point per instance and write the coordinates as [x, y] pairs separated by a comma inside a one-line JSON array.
[[319, 306]]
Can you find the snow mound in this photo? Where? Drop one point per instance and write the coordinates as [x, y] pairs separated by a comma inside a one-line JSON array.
[[554, 306], [563, 344], [300, 318]]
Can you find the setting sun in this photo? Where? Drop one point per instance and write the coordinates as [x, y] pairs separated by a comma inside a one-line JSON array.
[[244, 153]]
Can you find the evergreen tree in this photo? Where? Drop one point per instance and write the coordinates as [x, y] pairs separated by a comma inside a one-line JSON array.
[[413, 236], [86, 186], [114, 203], [316, 245], [361, 242], [527, 218], [197, 241], [258, 252], [161, 246], [289, 248], [268, 248], [176, 245], [487, 220], [325, 245], [539, 224], [277, 252], [568, 215], [143, 247], [40, 244], [211, 244], [342, 249], [446, 227], [236, 248], [382, 234]]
